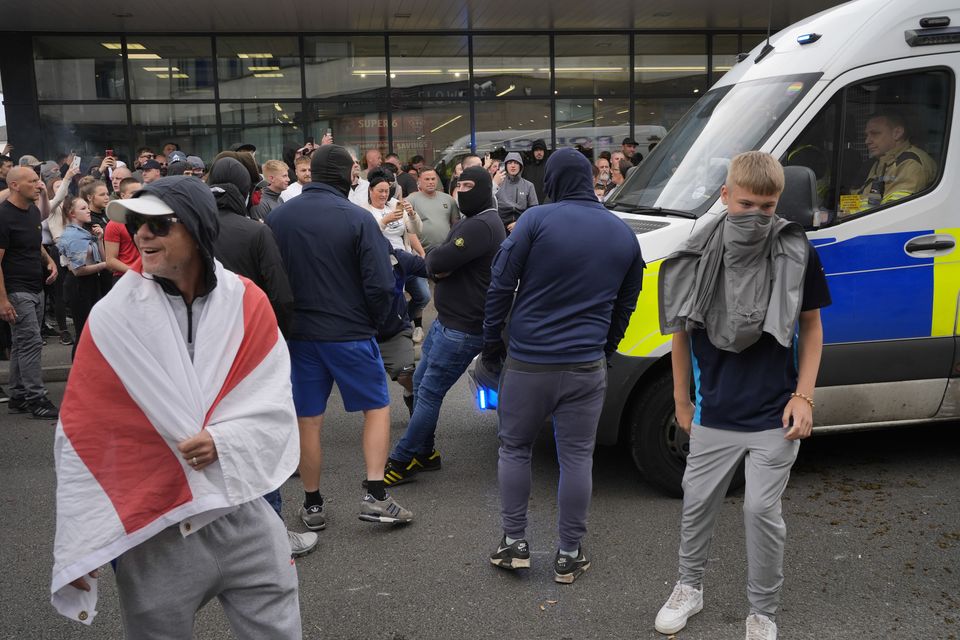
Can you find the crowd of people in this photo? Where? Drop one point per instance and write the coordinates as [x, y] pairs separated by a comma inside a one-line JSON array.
[[235, 295]]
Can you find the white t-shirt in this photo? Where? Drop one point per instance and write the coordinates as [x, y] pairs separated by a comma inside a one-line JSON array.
[[395, 231], [292, 191]]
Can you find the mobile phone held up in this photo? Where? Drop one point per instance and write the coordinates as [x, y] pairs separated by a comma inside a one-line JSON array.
[[109, 153], [76, 163]]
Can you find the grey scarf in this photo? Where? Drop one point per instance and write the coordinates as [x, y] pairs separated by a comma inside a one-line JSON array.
[[736, 277]]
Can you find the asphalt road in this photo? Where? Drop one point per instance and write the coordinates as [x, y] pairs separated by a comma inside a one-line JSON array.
[[873, 547]]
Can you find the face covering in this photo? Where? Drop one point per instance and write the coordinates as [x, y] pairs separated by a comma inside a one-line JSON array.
[[745, 238], [480, 198], [333, 165]]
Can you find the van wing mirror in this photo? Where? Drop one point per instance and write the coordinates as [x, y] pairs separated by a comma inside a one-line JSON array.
[[798, 202]]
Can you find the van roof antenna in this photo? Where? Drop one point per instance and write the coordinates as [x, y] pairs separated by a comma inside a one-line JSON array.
[[767, 47]]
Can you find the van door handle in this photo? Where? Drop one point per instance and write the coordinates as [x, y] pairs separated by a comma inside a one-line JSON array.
[[929, 245]]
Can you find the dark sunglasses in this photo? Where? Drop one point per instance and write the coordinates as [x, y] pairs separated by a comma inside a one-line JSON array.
[[158, 225]]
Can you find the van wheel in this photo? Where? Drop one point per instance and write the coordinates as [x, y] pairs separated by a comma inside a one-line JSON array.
[[657, 443]]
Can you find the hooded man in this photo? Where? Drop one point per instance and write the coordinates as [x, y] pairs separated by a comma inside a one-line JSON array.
[[560, 373], [343, 286], [168, 482], [461, 267], [534, 168], [515, 194]]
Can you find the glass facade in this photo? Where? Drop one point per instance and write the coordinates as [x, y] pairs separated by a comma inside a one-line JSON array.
[[440, 96]]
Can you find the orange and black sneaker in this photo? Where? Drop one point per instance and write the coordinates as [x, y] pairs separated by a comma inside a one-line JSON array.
[[398, 472], [430, 462]]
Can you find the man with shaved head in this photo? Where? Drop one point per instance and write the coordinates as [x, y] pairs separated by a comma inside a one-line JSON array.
[[21, 291], [119, 175]]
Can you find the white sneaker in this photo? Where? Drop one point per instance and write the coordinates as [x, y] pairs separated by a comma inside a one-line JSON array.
[[684, 602], [418, 334], [302, 543], [760, 627]]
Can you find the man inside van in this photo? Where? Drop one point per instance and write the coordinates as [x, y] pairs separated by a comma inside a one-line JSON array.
[[900, 169], [754, 395]]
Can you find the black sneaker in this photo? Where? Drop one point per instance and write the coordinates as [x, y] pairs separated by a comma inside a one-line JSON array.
[[47, 331], [567, 569], [43, 409], [397, 472], [511, 556], [429, 463], [18, 405], [408, 400], [66, 338]]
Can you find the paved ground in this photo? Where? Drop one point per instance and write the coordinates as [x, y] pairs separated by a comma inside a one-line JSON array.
[[873, 549]]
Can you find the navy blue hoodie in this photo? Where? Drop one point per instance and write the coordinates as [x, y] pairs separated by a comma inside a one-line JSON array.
[[579, 272]]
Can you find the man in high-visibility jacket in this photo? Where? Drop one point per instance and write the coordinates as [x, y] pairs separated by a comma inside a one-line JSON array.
[[900, 169]]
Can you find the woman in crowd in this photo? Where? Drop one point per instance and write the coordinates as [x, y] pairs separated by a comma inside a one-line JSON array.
[[52, 228], [81, 246], [398, 220]]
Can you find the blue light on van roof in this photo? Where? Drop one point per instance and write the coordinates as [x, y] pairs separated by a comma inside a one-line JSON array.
[[808, 38]]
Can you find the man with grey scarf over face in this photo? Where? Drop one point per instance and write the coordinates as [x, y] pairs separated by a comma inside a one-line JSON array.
[[732, 297]]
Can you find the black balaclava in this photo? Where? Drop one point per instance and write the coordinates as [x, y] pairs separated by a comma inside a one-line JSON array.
[[331, 164], [480, 198], [230, 183]]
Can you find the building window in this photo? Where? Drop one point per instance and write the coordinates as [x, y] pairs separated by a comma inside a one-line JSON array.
[[512, 66], [193, 127], [429, 67], [182, 68], [670, 65], [356, 125], [341, 66], [268, 126], [81, 68], [592, 65], [512, 125], [436, 130], [259, 67], [592, 126], [88, 129]]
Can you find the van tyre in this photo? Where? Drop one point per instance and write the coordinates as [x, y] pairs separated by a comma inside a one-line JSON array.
[[657, 443]]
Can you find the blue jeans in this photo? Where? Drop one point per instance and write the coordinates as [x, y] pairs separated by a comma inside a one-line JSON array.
[[419, 296], [445, 355], [275, 500]]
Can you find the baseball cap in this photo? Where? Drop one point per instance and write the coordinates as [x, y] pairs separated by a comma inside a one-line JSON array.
[[49, 170], [176, 156], [195, 162], [29, 161], [243, 146], [145, 205], [629, 141], [150, 164]]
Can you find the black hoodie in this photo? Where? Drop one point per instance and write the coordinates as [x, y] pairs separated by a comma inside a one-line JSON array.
[[579, 272], [247, 247], [465, 256], [533, 170]]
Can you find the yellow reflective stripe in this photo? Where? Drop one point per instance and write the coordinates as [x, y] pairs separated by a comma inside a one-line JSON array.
[[946, 288], [895, 195], [643, 336]]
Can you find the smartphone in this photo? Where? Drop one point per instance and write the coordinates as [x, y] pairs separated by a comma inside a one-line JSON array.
[[76, 162], [109, 153], [328, 132], [310, 140]]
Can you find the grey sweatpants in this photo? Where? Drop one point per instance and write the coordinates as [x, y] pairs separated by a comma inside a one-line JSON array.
[[714, 456], [573, 398], [26, 374], [242, 559]]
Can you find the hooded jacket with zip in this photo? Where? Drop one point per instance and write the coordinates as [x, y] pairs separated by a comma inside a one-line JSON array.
[[333, 251], [407, 264], [516, 194], [533, 170], [579, 271], [247, 247]]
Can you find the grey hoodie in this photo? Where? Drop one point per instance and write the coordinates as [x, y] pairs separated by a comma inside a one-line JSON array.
[[515, 195]]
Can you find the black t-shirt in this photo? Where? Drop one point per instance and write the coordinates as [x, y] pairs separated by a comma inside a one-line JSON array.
[[748, 391], [20, 238]]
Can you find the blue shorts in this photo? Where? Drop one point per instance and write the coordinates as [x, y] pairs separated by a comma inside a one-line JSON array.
[[355, 366]]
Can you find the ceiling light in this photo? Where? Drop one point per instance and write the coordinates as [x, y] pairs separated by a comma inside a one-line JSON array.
[[154, 69], [276, 105], [620, 113], [453, 119], [696, 90], [264, 68], [506, 70], [175, 76], [254, 55], [268, 75], [143, 56], [135, 46], [599, 99], [591, 69], [113, 46], [507, 90], [669, 69]]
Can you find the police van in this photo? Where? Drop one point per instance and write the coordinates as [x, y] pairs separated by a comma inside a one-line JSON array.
[[862, 99]]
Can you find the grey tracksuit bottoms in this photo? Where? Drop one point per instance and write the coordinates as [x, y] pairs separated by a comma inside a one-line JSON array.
[[573, 397], [714, 456], [242, 559]]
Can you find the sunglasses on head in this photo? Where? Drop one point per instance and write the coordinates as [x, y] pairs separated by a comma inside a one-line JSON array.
[[157, 225]]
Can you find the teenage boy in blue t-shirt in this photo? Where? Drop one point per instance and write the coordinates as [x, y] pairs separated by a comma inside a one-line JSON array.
[[754, 394]]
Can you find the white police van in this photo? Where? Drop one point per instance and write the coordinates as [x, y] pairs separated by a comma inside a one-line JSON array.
[[891, 352]]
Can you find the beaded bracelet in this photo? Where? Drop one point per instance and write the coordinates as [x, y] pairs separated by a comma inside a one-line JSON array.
[[804, 397]]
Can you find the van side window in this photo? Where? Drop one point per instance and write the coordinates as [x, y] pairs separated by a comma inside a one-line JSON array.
[[877, 142]]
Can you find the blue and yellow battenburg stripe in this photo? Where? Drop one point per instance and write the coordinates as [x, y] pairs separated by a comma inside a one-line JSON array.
[[879, 292]]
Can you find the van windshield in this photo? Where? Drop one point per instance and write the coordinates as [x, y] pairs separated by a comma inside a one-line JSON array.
[[685, 171]]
